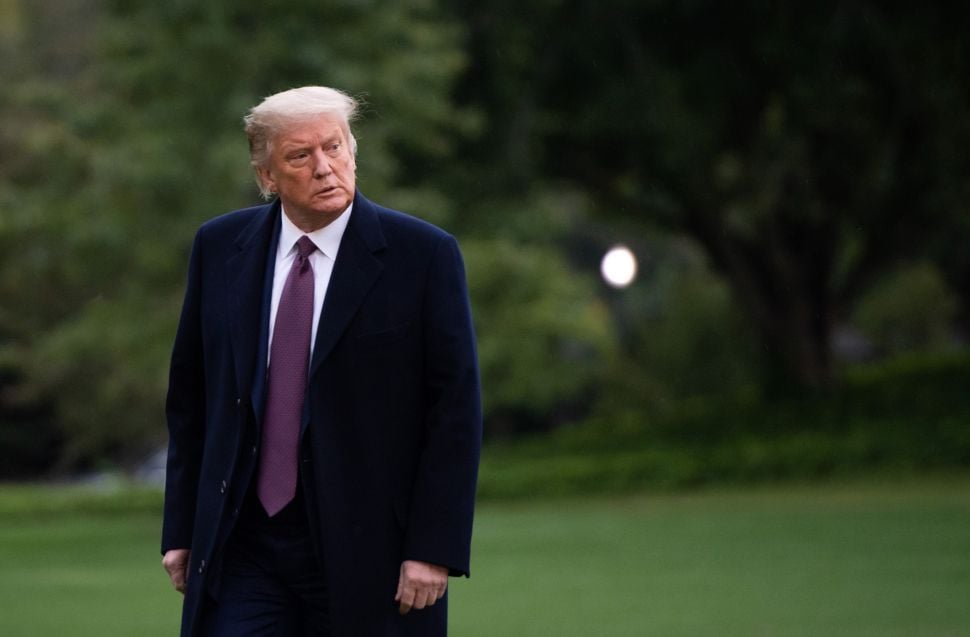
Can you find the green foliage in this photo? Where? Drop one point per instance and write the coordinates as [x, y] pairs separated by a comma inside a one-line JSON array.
[[107, 369], [542, 336], [911, 309], [28, 436], [699, 343], [682, 337], [905, 416]]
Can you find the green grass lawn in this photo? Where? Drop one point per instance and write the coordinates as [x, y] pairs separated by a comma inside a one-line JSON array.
[[80, 574], [856, 559]]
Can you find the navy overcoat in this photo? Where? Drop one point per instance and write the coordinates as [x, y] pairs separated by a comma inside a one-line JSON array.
[[392, 421]]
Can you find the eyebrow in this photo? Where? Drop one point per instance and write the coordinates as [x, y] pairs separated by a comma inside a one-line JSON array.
[[295, 145], [290, 146]]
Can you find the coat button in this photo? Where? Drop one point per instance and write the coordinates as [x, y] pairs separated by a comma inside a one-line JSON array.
[[254, 450], [222, 487], [238, 402], [202, 567]]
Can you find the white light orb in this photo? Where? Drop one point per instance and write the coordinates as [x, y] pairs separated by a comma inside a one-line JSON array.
[[619, 266]]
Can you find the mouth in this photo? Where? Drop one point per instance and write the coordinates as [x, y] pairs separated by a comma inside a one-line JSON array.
[[327, 190]]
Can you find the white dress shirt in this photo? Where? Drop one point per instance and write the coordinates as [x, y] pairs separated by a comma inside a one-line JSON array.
[[327, 240]]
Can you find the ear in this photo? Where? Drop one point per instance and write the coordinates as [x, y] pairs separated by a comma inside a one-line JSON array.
[[266, 178]]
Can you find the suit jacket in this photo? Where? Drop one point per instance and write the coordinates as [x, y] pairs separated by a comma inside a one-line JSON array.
[[392, 421]]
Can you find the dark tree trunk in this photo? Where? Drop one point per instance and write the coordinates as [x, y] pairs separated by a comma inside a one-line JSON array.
[[781, 275]]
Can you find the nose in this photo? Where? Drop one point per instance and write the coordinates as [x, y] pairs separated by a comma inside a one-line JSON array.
[[321, 163]]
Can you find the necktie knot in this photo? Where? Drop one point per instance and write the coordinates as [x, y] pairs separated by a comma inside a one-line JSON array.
[[305, 246]]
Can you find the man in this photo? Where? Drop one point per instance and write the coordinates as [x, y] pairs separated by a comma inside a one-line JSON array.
[[323, 406]]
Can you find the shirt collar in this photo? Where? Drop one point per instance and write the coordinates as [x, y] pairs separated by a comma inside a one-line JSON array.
[[327, 239]]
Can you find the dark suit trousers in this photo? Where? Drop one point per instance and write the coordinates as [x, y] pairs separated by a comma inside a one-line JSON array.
[[272, 582]]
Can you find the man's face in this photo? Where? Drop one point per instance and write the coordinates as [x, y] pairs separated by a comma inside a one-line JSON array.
[[312, 168]]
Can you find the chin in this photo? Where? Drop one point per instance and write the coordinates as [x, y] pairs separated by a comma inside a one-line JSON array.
[[331, 209]]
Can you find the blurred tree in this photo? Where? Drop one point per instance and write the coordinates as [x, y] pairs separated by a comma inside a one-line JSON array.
[[544, 339], [125, 127], [910, 310], [697, 344], [42, 47], [806, 146]]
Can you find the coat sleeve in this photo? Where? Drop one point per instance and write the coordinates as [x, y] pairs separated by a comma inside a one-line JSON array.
[[185, 412], [442, 499]]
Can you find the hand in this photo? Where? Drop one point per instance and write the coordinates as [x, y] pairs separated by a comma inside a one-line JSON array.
[[176, 563], [420, 585]]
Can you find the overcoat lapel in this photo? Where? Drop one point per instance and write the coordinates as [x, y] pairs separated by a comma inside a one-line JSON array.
[[354, 273], [247, 273]]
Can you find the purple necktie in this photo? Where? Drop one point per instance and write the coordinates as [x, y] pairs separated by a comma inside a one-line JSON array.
[[288, 362]]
